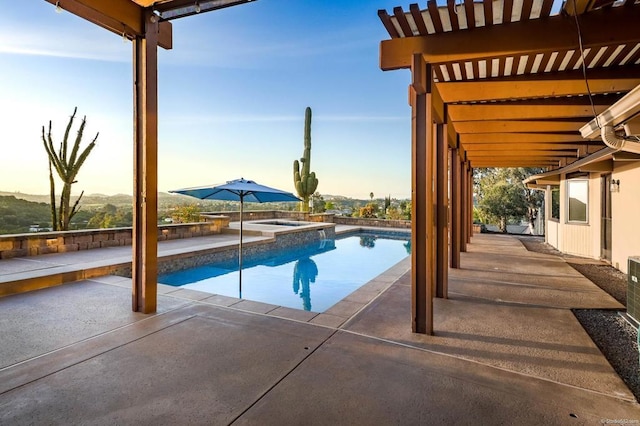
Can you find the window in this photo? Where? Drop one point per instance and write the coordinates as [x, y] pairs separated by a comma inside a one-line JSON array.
[[555, 202], [578, 193]]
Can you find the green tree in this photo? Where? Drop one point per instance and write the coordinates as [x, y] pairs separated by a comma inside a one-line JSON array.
[[67, 165], [318, 203], [186, 214], [502, 197], [369, 211]]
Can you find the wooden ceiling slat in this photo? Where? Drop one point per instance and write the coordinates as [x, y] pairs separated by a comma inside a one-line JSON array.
[[547, 5], [621, 55], [388, 25], [450, 71], [605, 56], [476, 69], [438, 73], [418, 19], [469, 10], [588, 57], [530, 64], [507, 11], [544, 62], [488, 12], [453, 16], [526, 9], [402, 21], [435, 15], [574, 59], [634, 58]]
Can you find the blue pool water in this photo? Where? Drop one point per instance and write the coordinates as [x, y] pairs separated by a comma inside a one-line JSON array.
[[312, 278]]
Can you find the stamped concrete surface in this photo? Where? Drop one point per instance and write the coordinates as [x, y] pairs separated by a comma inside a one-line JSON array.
[[497, 356]]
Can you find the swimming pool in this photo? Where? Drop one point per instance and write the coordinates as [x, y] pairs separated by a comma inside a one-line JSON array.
[[313, 277]]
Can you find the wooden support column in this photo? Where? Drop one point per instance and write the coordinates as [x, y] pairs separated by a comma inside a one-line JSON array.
[[464, 201], [145, 198], [442, 212], [422, 198], [456, 213], [469, 203]]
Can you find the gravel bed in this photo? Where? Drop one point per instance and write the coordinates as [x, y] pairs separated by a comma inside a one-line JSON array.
[[614, 336]]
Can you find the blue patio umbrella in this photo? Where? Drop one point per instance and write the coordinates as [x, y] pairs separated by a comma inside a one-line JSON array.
[[239, 190]]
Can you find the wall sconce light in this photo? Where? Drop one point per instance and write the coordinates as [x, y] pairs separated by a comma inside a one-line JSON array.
[[58, 8], [615, 185]]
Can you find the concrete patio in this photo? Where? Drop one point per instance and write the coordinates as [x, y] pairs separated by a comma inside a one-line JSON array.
[[507, 350]]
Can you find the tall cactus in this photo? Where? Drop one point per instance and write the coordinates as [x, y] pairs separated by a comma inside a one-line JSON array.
[[67, 165], [305, 180]]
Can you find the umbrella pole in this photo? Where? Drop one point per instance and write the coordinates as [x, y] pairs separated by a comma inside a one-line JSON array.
[[240, 251]]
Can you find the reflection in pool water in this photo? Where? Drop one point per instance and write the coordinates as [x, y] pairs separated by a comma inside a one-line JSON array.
[[312, 278]]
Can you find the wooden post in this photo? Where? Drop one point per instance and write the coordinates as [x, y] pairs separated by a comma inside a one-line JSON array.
[[421, 211], [145, 198], [469, 203], [442, 212], [464, 201], [454, 260]]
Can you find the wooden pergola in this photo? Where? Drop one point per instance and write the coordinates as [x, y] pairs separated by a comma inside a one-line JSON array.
[[147, 23], [498, 83]]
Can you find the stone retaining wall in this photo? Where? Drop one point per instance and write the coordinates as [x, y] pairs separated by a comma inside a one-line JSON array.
[[33, 244]]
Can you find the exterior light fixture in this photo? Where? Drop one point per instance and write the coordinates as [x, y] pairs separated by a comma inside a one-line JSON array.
[[58, 8], [198, 7], [615, 185]]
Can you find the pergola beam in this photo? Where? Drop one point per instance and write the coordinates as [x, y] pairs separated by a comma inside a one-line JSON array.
[[523, 146], [473, 138], [122, 17], [520, 154], [520, 110], [570, 83], [517, 126], [553, 34]]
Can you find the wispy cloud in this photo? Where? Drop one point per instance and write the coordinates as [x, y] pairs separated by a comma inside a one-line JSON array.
[[51, 42], [213, 118]]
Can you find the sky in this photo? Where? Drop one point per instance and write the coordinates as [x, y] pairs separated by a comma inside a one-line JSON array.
[[232, 94]]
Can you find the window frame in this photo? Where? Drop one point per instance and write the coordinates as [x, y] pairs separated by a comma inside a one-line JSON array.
[[585, 182]]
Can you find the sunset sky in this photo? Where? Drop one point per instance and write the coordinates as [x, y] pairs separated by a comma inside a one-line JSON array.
[[232, 95]]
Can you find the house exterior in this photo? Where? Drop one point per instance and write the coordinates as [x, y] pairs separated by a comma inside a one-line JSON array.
[[593, 204]]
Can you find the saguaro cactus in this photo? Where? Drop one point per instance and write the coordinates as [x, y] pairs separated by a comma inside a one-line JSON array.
[[67, 165], [305, 180]]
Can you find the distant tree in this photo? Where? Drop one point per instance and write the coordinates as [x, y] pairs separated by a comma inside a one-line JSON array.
[[318, 204], [67, 165], [371, 196], [502, 197], [329, 205], [110, 216], [387, 202], [186, 214], [369, 211]]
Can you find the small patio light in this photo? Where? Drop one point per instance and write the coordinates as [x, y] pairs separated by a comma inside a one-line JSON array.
[[615, 185], [58, 8]]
